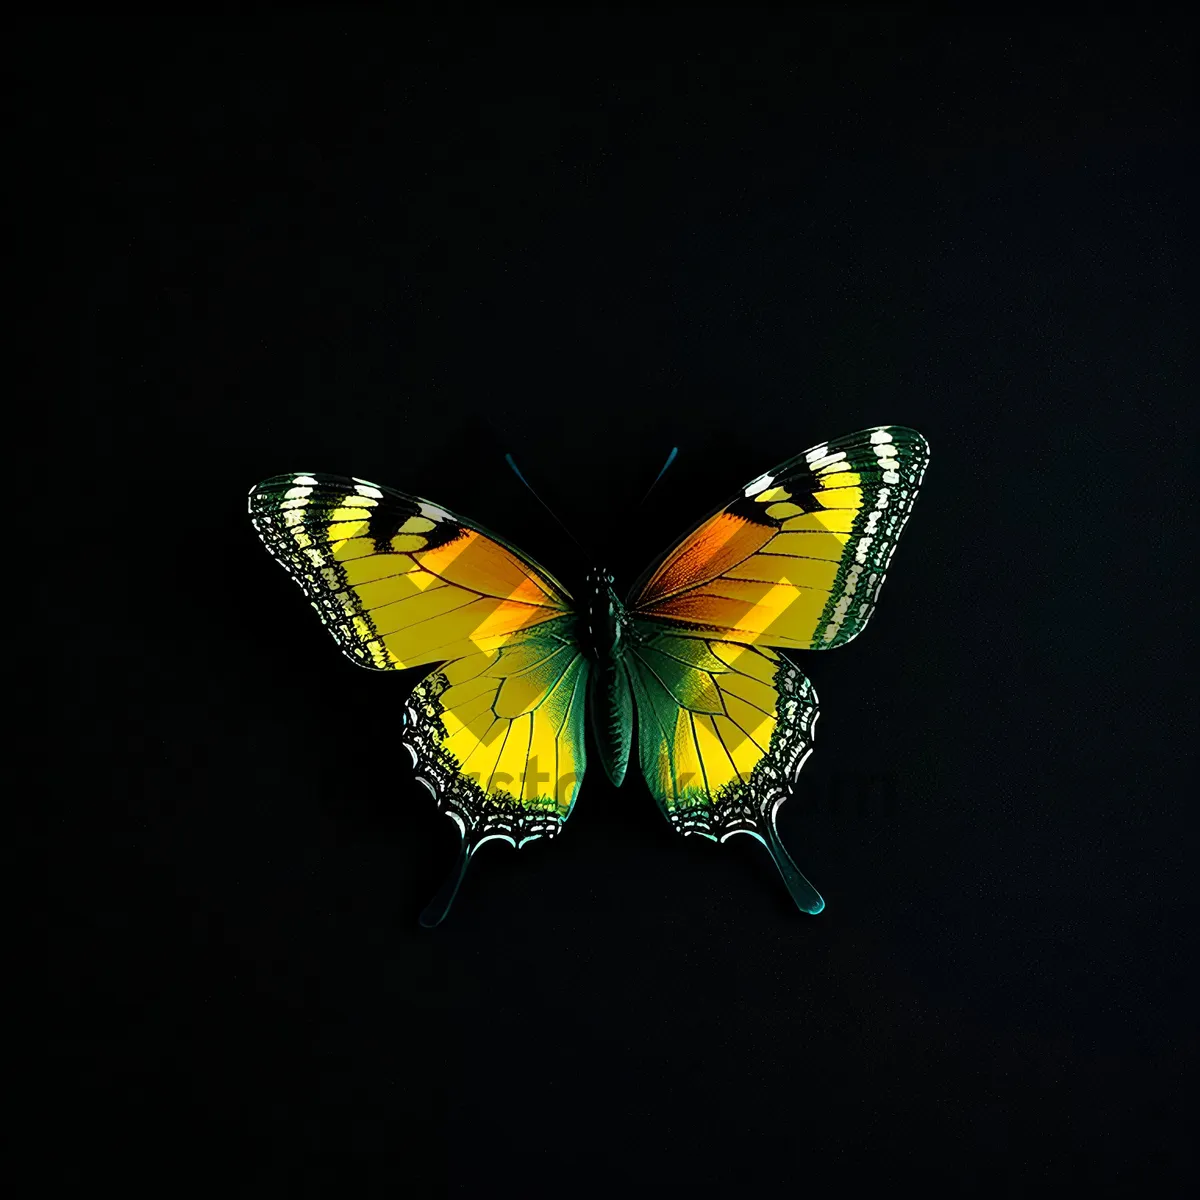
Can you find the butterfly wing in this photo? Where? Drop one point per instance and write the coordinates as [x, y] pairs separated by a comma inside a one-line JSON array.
[[723, 731], [400, 582], [797, 558], [794, 561], [496, 731]]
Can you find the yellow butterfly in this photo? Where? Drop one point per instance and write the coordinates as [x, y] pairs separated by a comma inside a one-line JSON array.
[[496, 730]]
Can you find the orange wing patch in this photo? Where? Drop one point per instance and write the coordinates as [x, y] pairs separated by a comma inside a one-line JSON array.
[[720, 544]]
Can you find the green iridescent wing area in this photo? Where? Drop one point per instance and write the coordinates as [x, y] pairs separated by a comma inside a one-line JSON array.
[[723, 731]]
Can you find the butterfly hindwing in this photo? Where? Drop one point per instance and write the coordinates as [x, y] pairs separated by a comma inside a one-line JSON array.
[[797, 558], [723, 730], [498, 737], [496, 731]]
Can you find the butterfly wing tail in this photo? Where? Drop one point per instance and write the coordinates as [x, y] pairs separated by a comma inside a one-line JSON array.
[[807, 898], [438, 908]]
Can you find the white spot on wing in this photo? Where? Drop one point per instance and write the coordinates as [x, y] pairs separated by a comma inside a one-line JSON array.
[[800, 764], [822, 464], [759, 485]]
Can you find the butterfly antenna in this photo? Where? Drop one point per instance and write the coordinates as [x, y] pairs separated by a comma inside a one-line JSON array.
[[670, 459], [508, 458]]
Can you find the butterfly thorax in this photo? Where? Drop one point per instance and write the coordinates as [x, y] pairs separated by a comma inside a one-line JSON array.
[[603, 617], [603, 629]]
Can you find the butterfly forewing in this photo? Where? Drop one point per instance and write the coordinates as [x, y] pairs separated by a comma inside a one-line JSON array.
[[797, 558], [399, 582]]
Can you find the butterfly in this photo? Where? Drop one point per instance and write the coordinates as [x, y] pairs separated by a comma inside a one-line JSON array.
[[497, 730]]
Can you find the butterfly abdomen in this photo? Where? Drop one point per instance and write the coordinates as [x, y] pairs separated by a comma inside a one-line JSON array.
[[610, 702], [610, 697]]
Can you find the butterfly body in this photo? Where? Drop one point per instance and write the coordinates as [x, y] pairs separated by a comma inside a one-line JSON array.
[[687, 670], [604, 636]]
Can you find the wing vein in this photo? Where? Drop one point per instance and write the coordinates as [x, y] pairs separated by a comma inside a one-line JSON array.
[[699, 755]]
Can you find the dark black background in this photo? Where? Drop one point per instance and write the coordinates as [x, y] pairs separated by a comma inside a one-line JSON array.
[[399, 249]]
